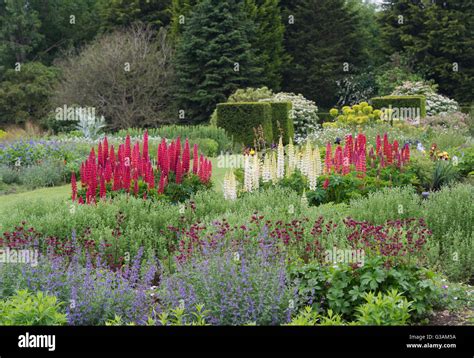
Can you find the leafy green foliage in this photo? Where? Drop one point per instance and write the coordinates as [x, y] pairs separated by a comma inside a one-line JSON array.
[[390, 309], [25, 94], [27, 309], [343, 188], [48, 173], [178, 317], [64, 24], [342, 288], [308, 317], [466, 160], [450, 216], [394, 73], [180, 11], [444, 173], [171, 317]]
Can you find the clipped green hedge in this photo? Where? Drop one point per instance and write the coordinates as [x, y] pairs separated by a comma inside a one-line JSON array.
[[281, 117], [401, 102], [240, 119]]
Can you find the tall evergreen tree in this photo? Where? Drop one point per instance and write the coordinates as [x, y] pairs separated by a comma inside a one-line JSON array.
[[268, 40], [19, 35], [439, 37], [214, 57], [125, 12], [65, 23], [322, 39]]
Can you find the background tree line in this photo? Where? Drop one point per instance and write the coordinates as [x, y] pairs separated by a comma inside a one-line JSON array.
[[185, 56]]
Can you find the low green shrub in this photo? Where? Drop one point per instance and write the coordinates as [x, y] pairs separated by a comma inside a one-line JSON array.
[[309, 317], [171, 317], [27, 309], [386, 204], [45, 174], [242, 119], [9, 175], [390, 309], [449, 215], [193, 133], [207, 146], [465, 160], [448, 139], [342, 287]]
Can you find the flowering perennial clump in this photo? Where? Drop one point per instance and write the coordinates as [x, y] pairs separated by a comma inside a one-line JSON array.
[[230, 186], [354, 155], [272, 166], [131, 169]]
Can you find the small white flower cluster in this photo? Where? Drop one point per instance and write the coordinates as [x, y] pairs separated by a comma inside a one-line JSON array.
[[304, 113], [276, 166], [310, 164]]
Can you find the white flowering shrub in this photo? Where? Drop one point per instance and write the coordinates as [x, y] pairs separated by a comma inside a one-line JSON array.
[[304, 112], [248, 94], [435, 103]]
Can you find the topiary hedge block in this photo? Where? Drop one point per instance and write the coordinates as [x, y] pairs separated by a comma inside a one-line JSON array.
[[282, 121], [239, 120], [406, 105]]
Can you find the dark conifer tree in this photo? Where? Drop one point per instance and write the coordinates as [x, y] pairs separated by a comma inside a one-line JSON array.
[[214, 57]]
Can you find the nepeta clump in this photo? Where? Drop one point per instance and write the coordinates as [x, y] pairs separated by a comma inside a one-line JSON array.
[[92, 293]]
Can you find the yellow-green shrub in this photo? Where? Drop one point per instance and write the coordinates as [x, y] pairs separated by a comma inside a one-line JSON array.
[[358, 114]]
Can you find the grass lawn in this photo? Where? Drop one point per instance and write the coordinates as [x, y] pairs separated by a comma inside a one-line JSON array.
[[55, 193], [63, 192]]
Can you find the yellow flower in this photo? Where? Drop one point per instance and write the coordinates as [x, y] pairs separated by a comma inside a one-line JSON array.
[[367, 109], [377, 113], [333, 112], [252, 152]]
